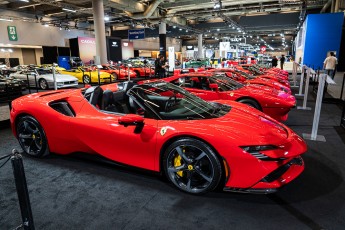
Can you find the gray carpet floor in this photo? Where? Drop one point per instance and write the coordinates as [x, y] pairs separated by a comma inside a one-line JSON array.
[[69, 192]]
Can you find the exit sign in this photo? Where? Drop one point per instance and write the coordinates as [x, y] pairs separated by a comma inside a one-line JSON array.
[[12, 33]]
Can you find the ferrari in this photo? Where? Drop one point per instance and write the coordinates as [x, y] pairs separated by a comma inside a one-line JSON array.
[[87, 76], [118, 73], [211, 86], [245, 78], [199, 146]]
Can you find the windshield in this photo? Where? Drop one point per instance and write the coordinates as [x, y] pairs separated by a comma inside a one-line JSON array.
[[244, 74], [170, 102], [225, 83], [44, 71]]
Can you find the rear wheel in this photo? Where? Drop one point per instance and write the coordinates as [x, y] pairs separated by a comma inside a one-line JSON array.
[[43, 84], [86, 79], [32, 137], [251, 103], [192, 166]]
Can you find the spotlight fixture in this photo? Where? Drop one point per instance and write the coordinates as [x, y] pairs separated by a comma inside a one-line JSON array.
[[106, 18], [217, 5], [69, 10], [174, 27]]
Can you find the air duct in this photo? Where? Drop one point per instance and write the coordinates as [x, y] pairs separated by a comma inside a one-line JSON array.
[[148, 12], [325, 7]]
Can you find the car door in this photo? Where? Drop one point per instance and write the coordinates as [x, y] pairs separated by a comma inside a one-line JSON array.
[[101, 133], [198, 87]]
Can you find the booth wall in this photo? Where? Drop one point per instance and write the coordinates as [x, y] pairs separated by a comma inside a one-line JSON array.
[[323, 34]]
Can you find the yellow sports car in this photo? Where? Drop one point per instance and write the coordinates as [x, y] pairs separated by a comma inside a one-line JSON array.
[[86, 75]]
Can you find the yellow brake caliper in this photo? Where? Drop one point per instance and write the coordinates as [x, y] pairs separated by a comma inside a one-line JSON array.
[[177, 163]]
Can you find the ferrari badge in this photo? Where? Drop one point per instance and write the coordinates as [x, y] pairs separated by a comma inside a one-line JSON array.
[[231, 94], [163, 131]]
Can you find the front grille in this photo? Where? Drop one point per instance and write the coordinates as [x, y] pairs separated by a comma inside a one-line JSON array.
[[281, 170]]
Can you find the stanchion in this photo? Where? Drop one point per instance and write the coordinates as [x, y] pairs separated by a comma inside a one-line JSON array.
[[54, 77], [301, 82], [313, 136], [22, 191], [306, 88], [294, 74], [99, 76], [129, 76], [27, 78], [35, 75]]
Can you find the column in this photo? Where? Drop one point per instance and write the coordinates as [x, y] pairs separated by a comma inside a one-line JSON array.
[[200, 53], [98, 17], [163, 39]]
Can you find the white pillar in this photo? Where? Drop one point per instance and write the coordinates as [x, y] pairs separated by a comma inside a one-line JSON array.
[[98, 16], [200, 53]]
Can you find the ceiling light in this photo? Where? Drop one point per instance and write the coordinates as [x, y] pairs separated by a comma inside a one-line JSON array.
[[24, 0], [46, 25], [218, 29], [106, 18], [174, 27], [69, 10], [180, 29], [7, 20], [186, 30]]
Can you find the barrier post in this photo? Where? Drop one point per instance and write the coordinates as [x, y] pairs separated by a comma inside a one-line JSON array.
[[306, 88], [54, 77], [313, 136], [294, 74], [36, 83], [99, 76], [27, 78], [301, 82], [129, 76], [22, 191]]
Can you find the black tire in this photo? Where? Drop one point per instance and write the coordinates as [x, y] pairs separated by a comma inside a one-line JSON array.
[[192, 166], [251, 103], [114, 75], [32, 137], [43, 84], [86, 79], [138, 74]]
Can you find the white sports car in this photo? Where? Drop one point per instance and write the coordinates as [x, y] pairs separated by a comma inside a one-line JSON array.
[[44, 78]]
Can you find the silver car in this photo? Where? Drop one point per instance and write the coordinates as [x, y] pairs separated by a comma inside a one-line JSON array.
[[44, 78]]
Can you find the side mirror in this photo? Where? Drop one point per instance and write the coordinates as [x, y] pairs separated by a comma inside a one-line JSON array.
[[214, 87], [133, 120]]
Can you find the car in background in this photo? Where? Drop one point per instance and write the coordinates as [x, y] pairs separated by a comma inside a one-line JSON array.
[[87, 75], [210, 87], [199, 146], [43, 78], [118, 73], [140, 70], [245, 78], [196, 63]]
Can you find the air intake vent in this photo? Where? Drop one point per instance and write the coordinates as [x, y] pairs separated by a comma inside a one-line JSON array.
[[63, 107]]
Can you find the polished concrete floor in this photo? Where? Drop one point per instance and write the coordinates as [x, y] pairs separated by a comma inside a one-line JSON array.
[[71, 192]]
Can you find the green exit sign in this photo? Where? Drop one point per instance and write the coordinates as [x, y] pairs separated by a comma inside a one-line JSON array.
[[12, 33]]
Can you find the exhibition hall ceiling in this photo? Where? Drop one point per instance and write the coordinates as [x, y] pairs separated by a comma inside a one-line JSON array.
[[216, 19]]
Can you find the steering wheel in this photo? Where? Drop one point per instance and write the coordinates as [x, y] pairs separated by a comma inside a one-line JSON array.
[[170, 103]]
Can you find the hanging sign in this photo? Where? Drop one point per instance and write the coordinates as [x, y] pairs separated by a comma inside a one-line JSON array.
[[171, 58], [136, 34], [12, 33]]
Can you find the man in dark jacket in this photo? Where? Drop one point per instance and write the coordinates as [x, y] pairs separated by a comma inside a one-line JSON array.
[[160, 66], [274, 61], [282, 61]]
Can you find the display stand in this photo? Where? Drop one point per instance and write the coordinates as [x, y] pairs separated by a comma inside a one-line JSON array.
[[313, 136], [301, 82], [306, 88]]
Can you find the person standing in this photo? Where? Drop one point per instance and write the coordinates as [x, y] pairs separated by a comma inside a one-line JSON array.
[[160, 66], [329, 65], [282, 61], [274, 61]]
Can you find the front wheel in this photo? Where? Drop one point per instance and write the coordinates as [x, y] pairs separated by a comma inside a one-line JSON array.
[[43, 84], [32, 137], [192, 166], [251, 103], [86, 79]]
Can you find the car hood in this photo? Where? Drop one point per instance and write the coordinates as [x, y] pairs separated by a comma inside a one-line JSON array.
[[247, 125]]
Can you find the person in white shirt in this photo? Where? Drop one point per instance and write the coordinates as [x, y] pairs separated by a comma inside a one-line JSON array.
[[329, 65]]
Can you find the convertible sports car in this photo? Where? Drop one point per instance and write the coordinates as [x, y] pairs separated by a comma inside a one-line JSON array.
[[88, 76], [45, 79], [210, 86], [158, 126], [245, 78], [140, 70]]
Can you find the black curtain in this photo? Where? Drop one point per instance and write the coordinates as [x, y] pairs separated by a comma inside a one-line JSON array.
[[74, 47], [50, 54]]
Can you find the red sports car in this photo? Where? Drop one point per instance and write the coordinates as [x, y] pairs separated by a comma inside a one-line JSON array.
[[141, 71], [273, 77], [118, 73], [245, 78], [158, 126], [210, 86]]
